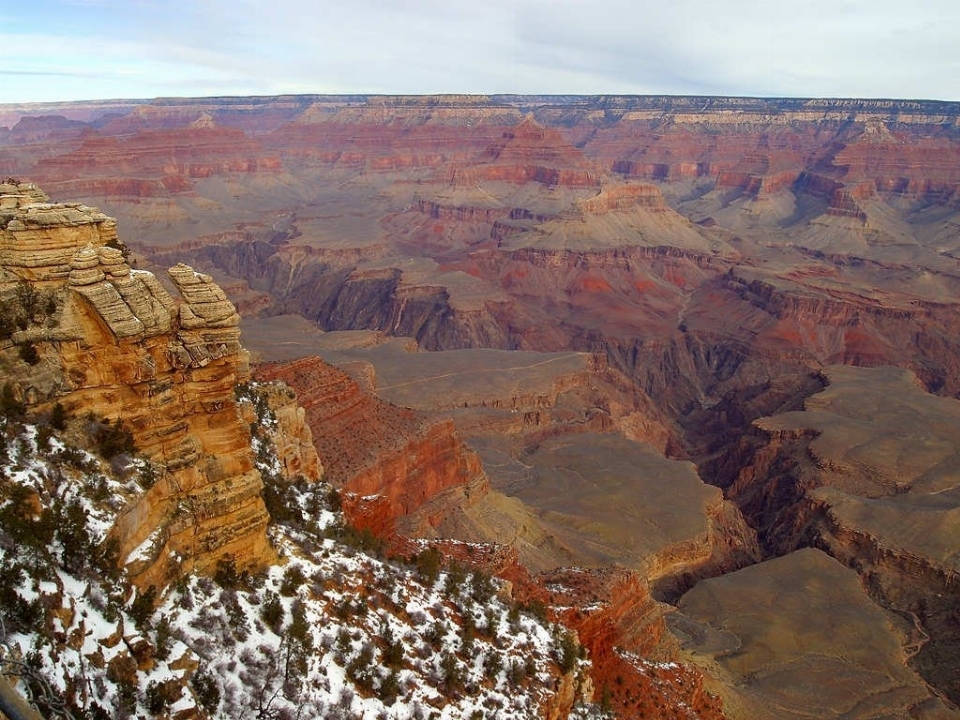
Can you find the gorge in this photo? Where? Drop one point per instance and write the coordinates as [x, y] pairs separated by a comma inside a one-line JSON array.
[[683, 362]]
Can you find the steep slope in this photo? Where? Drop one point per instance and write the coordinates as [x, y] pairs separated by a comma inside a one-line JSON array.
[[89, 334], [868, 473], [330, 631]]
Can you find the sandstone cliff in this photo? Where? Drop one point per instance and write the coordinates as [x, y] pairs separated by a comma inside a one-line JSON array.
[[371, 447], [112, 342]]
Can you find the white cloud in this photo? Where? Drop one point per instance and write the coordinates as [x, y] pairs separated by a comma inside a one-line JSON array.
[[786, 47]]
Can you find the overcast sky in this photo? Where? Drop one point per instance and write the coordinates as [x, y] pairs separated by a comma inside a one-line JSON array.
[[99, 49]]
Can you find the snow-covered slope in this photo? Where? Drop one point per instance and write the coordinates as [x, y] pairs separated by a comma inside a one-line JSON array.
[[330, 631]]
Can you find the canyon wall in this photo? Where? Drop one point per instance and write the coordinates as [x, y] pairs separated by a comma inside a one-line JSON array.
[[867, 473], [717, 253], [113, 343]]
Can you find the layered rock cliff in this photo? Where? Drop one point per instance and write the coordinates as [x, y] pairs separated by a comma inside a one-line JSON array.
[[111, 342], [371, 447]]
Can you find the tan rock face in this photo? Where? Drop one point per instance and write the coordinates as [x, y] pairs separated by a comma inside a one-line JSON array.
[[39, 238], [121, 347], [868, 473]]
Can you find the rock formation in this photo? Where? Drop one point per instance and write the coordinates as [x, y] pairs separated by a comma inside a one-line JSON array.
[[716, 253], [371, 447], [867, 472], [114, 344]]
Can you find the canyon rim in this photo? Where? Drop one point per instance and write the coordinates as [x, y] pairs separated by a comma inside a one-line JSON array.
[[684, 372]]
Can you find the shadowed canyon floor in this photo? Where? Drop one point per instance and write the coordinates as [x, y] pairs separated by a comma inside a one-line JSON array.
[[624, 298]]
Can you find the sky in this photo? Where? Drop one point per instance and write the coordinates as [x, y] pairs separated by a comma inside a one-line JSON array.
[[53, 50]]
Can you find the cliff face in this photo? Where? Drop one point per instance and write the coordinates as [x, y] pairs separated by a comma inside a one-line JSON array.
[[112, 342], [371, 447], [867, 473], [623, 629]]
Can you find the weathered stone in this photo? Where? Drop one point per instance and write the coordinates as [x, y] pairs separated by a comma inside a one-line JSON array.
[[166, 368]]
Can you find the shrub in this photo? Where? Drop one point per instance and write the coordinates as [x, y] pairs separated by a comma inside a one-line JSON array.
[[274, 496], [293, 578], [79, 550], [225, 575], [113, 439], [299, 631], [28, 353], [537, 609], [159, 697], [392, 648], [389, 689], [148, 475], [206, 690], [28, 298], [163, 637], [451, 674], [360, 668], [428, 565], [271, 612], [58, 417], [492, 663], [516, 674], [456, 576], [482, 587], [141, 609], [568, 652]]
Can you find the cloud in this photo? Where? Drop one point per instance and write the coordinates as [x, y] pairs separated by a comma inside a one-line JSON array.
[[865, 48]]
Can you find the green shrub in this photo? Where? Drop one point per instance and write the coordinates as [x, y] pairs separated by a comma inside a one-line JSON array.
[[271, 612], [389, 689], [568, 652], [293, 578], [28, 298], [206, 690], [225, 575], [428, 565], [451, 674], [392, 648], [113, 439]]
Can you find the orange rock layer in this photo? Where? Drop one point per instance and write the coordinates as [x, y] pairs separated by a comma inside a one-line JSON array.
[[120, 347]]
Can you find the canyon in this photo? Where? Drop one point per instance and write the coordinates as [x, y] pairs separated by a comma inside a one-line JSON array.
[[639, 335]]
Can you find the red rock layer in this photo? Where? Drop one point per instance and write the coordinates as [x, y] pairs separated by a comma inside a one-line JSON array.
[[622, 628], [184, 153], [371, 447]]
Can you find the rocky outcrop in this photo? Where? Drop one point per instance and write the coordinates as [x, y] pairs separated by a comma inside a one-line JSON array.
[[622, 627], [290, 434], [370, 447], [624, 197], [867, 473], [39, 238], [117, 345]]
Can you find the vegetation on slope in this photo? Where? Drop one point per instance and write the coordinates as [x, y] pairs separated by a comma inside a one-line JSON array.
[[335, 631]]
